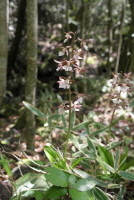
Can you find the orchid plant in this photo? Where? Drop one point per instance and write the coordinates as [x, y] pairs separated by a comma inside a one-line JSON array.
[[63, 180], [71, 65], [121, 89]]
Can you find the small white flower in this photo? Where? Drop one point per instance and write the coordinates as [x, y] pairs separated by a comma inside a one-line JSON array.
[[68, 36], [59, 68], [67, 68], [124, 88], [67, 65], [78, 54], [116, 78], [79, 100], [85, 47], [117, 101], [76, 107], [64, 83], [79, 72], [61, 53]]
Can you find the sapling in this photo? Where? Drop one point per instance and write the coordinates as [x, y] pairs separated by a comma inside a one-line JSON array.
[[71, 65]]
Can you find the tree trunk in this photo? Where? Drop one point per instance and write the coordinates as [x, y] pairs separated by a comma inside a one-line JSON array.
[[110, 37], [131, 67], [31, 76], [18, 34], [3, 46], [120, 35]]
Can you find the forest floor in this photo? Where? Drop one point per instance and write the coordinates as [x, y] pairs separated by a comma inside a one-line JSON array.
[[13, 144]]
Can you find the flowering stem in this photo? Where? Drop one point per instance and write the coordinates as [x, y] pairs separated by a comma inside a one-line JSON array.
[[69, 125], [109, 131], [70, 108], [112, 117]]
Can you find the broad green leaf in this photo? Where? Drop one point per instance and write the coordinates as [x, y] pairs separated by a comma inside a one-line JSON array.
[[56, 192], [100, 131], [98, 125], [61, 128], [34, 110], [109, 168], [91, 146], [75, 142], [126, 175], [99, 194], [55, 116], [52, 154], [84, 185], [72, 119], [81, 125], [71, 180], [123, 156], [87, 153], [87, 130], [56, 176], [112, 145], [121, 192], [76, 195], [113, 186], [90, 194], [39, 195], [106, 155], [6, 166], [31, 181], [83, 174], [102, 165], [63, 121], [55, 157], [27, 194], [123, 161], [127, 165], [117, 159], [76, 162]]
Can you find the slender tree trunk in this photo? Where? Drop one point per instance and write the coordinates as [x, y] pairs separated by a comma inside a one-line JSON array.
[[31, 76], [120, 35], [83, 20], [18, 34], [131, 67], [87, 18], [3, 46], [110, 36], [67, 16]]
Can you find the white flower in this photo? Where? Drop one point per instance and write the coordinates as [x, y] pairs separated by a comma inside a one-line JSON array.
[[79, 100], [124, 88], [78, 54], [85, 47], [76, 107], [61, 53], [67, 67], [59, 65], [116, 78], [79, 72], [68, 36], [59, 68], [64, 83], [117, 101]]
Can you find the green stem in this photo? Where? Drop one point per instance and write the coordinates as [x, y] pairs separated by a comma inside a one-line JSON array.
[[70, 108], [109, 131], [69, 125]]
